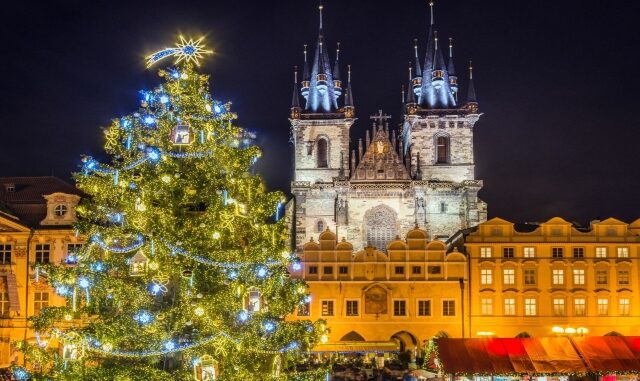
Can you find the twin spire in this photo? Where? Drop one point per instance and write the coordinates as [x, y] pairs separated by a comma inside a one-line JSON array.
[[435, 84], [321, 85]]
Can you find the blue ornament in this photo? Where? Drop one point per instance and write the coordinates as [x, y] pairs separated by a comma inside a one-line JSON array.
[[84, 282], [149, 120], [164, 99], [63, 290], [269, 326], [217, 109], [243, 316], [297, 266], [169, 345], [143, 317], [153, 154], [262, 272]]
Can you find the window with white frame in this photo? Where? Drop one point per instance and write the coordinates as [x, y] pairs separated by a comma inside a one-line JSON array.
[[602, 277], [509, 307], [327, 307], [580, 307], [601, 252], [530, 278], [486, 276], [486, 306], [5, 254], [558, 277], [509, 276], [40, 300], [578, 252], [623, 277], [448, 308], [623, 252], [352, 307], [529, 252], [530, 307], [603, 307], [578, 277], [4, 304], [43, 252], [508, 252], [624, 306], [559, 307], [60, 210], [485, 252], [424, 307], [400, 308]]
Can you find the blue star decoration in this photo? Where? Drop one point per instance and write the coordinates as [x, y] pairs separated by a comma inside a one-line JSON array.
[[186, 50]]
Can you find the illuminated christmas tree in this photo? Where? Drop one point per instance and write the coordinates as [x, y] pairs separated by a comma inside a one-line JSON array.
[[184, 274]]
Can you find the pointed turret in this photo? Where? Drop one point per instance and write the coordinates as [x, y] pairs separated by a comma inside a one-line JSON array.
[[410, 105], [349, 108], [437, 75], [472, 102], [453, 78], [306, 76], [295, 100], [415, 81], [337, 83]]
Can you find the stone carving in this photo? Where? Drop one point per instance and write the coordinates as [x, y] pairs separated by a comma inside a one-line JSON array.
[[375, 301]]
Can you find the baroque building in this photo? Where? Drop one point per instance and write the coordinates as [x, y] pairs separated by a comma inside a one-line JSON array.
[[529, 278], [36, 217], [393, 181]]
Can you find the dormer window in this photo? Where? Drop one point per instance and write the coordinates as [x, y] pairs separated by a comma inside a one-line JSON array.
[[10, 188], [60, 210]]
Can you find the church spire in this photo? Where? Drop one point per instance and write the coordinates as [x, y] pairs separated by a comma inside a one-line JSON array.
[[416, 58], [306, 75], [349, 107], [322, 96], [453, 78], [337, 83], [472, 101], [295, 100]]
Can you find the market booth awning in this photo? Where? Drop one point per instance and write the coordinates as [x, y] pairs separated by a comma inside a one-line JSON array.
[[545, 355], [357, 347], [614, 354], [548, 355]]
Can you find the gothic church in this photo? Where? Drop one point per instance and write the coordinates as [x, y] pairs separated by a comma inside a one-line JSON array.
[[370, 192]]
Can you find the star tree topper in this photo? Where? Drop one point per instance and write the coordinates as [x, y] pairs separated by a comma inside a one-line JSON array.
[[187, 50]]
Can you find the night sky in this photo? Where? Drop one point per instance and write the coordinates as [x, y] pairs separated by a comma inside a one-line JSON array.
[[556, 80]]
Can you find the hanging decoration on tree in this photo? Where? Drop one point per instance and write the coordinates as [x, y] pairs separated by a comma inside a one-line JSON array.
[[205, 369], [186, 50], [181, 135], [253, 300], [138, 265]]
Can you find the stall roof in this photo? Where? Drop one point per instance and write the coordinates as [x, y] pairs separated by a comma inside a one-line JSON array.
[[545, 355], [357, 346], [549, 355]]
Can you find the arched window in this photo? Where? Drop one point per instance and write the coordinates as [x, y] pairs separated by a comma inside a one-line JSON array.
[[319, 226], [380, 225], [442, 150], [322, 152]]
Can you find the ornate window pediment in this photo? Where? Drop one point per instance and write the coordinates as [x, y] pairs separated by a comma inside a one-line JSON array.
[[380, 226]]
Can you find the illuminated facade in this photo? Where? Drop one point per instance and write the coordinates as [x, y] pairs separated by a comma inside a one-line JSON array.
[[406, 295], [530, 278], [382, 187], [36, 214]]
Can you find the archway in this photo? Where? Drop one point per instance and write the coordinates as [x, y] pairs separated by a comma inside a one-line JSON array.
[[406, 341], [352, 336]]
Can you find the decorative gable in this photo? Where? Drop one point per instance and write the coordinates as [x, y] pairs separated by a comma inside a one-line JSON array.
[[380, 161], [61, 209]]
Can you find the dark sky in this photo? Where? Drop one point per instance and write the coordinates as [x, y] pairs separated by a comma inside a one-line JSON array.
[[557, 82]]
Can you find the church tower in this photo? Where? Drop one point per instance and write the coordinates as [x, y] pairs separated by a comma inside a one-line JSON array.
[[437, 136], [320, 135]]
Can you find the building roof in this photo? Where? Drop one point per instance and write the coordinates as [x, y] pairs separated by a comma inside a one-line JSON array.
[[23, 197], [545, 355]]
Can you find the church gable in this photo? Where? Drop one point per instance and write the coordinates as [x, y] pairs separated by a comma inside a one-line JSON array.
[[380, 160]]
